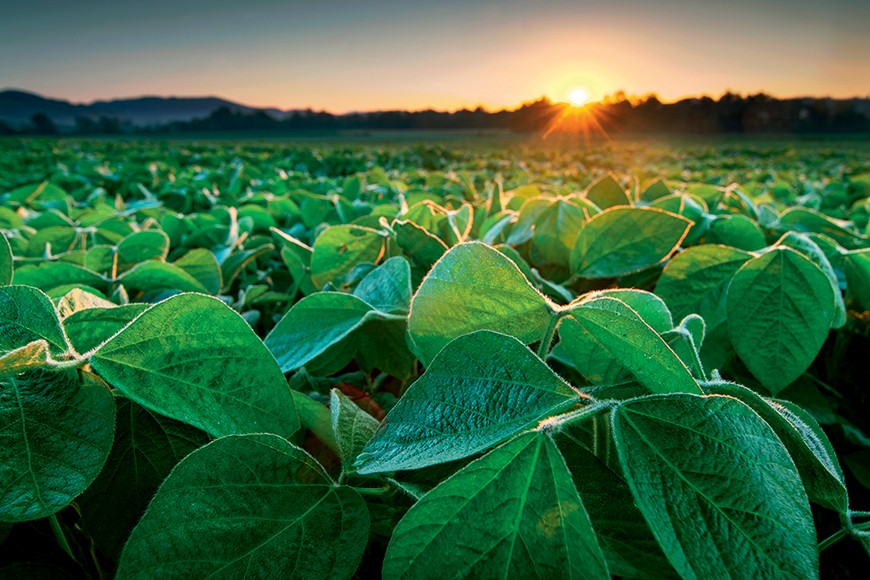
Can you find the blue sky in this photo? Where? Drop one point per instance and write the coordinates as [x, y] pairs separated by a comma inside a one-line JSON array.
[[446, 54]]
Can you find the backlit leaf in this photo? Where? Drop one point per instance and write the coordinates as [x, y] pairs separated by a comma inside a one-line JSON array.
[[474, 287], [172, 360], [480, 390], [623, 240]]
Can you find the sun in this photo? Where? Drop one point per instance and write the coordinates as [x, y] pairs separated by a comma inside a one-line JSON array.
[[578, 96]]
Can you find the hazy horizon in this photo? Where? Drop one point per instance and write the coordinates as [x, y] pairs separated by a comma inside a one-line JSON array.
[[515, 106], [386, 55]]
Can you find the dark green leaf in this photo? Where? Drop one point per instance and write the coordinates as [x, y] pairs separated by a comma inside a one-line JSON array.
[[55, 435], [352, 426], [147, 447], [717, 488], [858, 277], [315, 324], [805, 441], [48, 275], [606, 192], [153, 276], [780, 307], [203, 266], [251, 506], [513, 513], [388, 287], [339, 248], [27, 315], [142, 246], [696, 281], [88, 329], [6, 268], [626, 540]]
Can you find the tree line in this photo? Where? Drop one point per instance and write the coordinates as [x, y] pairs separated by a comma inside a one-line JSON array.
[[731, 113]]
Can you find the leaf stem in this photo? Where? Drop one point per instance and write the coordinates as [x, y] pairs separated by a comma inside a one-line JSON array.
[[61, 538], [833, 539], [373, 490]]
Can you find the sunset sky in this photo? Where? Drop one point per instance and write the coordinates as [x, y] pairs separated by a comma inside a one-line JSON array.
[[445, 54]]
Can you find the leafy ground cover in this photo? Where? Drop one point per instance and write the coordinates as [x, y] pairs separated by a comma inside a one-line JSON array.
[[262, 360]]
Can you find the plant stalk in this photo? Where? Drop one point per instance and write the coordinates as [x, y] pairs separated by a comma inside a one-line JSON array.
[[833, 539], [61, 537]]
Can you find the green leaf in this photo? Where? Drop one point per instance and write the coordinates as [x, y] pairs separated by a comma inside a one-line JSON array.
[[153, 276], [623, 240], [388, 287], [625, 538], [717, 488], [339, 248], [147, 447], [141, 246], [474, 287], [805, 441], [606, 192], [352, 426], [251, 506], [383, 346], [807, 220], [737, 231], [556, 231], [88, 329], [203, 266], [654, 190], [27, 315], [806, 246], [52, 241], [418, 244], [648, 306], [617, 329], [780, 307], [6, 268], [194, 359], [234, 264], [696, 281], [513, 513], [315, 324], [481, 389], [48, 275], [55, 434], [858, 277]]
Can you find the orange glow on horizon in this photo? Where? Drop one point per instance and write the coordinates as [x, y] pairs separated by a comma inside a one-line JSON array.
[[577, 119]]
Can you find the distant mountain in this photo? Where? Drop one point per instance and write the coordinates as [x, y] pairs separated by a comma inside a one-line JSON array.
[[18, 107]]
